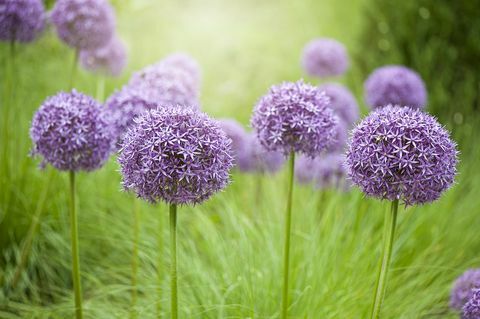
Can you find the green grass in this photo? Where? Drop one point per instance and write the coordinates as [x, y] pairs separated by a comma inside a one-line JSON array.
[[230, 248]]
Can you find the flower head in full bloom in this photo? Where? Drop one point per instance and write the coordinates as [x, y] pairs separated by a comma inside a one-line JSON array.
[[21, 20], [401, 153], [342, 102], [294, 117], [471, 310], [325, 57], [70, 132], [122, 107], [237, 134], [176, 155], [257, 159], [397, 85], [84, 24], [110, 59], [462, 288]]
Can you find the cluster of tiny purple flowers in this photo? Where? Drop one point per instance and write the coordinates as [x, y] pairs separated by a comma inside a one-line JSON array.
[[178, 156], [325, 57], [471, 310], [21, 20], [397, 85], [463, 287], [401, 153], [294, 117], [70, 133], [110, 59]]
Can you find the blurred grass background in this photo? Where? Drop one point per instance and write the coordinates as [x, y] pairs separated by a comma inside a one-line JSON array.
[[230, 248]]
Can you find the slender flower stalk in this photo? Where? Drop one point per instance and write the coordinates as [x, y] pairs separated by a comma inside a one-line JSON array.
[[173, 262], [77, 286], [100, 94], [159, 270], [73, 72], [136, 234], [288, 226], [381, 284]]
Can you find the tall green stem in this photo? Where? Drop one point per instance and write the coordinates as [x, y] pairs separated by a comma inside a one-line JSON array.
[[73, 73], [75, 255], [100, 94], [173, 263], [159, 271], [136, 232], [389, 234], [288, 224]]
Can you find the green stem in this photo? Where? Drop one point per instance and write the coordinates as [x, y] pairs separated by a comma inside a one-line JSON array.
[[75, 254], [74, 70], [389, 234], [159, 271], [136, 232], [288, 224], [100, 94], [173, 263]]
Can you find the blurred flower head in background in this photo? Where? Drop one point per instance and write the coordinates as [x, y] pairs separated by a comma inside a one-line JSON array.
[[256, 158], [70, 132], [397, 85], [176, 155], [110, 59], [185, 62], [294, 117], [462, 288], [324, 171], [21, 20], [84, 24], [342, 102], [324, 58], [402, 153], [237, 134]]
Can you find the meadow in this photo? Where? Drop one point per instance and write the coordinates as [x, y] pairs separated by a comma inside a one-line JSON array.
[[230, 248]]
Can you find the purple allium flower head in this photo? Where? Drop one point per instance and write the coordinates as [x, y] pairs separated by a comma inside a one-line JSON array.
[[176, 155], [84, 24], [122, 107], [342, 102], [341, 137], [237, 134], [395, 84], [110, 59], [401, 153], [325, 57], [70, 132], [186, 63], [21, 20], [255, 158], [471, 310], [462, 288], [294, 116], [305, 169], [331, 172], [166, 85]]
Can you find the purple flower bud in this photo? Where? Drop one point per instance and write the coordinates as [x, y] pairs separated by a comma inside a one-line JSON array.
[[471, 310], [325, 57], [21, 20], [237, 134], [462, 288], [175, 155], [402, 153], [84, 24], [108, 60], [397, 85], [294, 116], [70, 132], [255, 158], [122, 107], [342, 102]]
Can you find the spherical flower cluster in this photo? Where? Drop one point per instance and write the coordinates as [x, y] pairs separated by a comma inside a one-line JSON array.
[[21, 20], [471, 310], [84, 24], [402, 153], [395, 84], [341, 136], [325, 57], [294, 117], [331, 172], [122, 107], [166, 85], [237, 134], [110, 59], [178, 155], [462, 288], [306, 169], [186, 63], [255, 158], [342, 102], [70, 132]]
